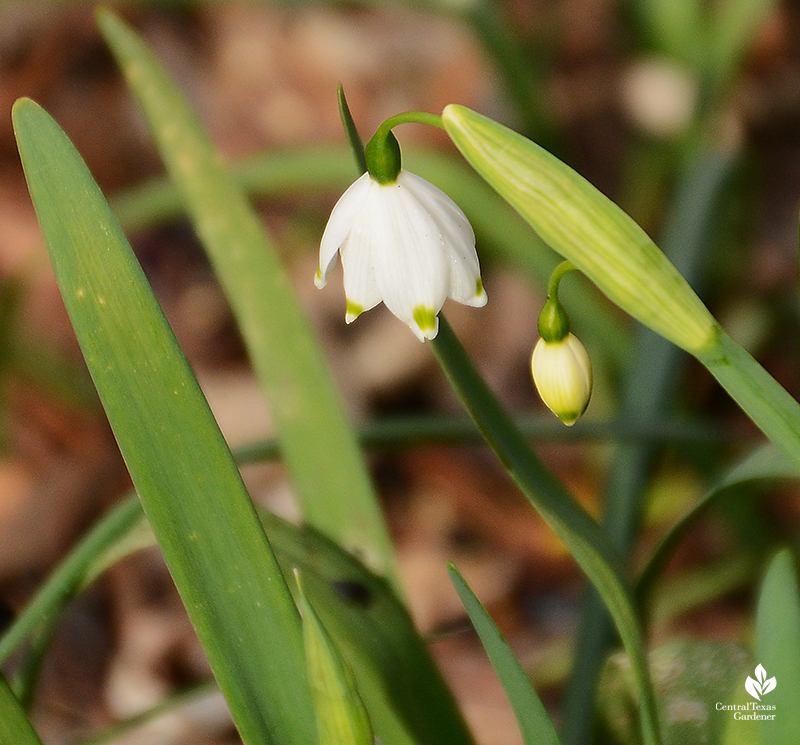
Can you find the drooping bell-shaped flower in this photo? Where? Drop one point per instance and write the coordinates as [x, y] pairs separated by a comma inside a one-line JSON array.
[[402, 241], [562, 370]]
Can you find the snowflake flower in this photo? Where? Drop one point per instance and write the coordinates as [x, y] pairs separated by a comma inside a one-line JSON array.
[[405, 243]]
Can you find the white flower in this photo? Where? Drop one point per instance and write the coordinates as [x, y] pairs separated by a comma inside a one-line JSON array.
[[562, 373], [406, 243]]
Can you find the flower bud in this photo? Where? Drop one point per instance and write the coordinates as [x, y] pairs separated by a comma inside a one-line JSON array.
[[562, 373], [585, 227]]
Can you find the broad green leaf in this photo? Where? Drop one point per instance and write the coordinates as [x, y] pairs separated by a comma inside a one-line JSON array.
[[532, 718], [407, 700], [341, 716], [320, 450], [15, 727], [587, 228], [583, 537], [187, 481], [778, 650]]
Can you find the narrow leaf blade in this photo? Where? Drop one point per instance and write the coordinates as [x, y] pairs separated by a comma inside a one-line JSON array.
[[341, 716], [187, 481], [318, 446], [532, 718], [15, 727]]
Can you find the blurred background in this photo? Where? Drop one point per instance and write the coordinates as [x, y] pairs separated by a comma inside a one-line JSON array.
[[601, 83]]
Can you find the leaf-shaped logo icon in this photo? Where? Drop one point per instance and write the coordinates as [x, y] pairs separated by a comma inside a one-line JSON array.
[[753, 688], [762, 686]]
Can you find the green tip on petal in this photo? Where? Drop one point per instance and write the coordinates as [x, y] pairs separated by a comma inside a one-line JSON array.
[[425, 318], [478, 287], [353, 311]]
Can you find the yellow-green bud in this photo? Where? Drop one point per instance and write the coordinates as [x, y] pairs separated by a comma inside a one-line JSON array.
[[562, 373], [585, 227]]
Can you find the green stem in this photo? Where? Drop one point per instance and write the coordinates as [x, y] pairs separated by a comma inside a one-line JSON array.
[[761, 397], [409, 117], [649, 391], [582, 536], [555, 278]]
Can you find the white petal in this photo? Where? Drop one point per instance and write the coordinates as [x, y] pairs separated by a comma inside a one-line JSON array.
[[458, 238], [411, 268], [360, 287], [344, 214]]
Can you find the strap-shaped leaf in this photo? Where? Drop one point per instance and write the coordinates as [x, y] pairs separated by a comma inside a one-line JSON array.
[[190, 488], [15, 727], [778, 651], [532, 718], [320, 450], [407, 699], [341, 715]]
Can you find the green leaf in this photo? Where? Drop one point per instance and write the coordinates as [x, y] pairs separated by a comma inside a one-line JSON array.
[[318, 446], [190, 488], [778, 649], [341, 716], [761, 397], [15, 727], [532, 718], [350, 129], [407, 699]]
